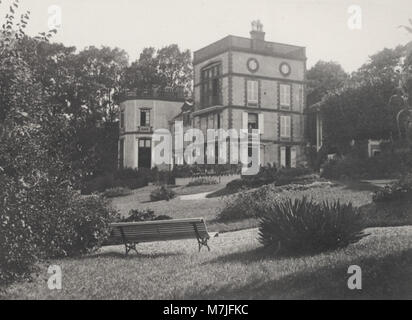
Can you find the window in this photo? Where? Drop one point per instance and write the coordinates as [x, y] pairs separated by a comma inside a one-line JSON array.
[[252, 122], [203, 123], [144, 118], [284, 91], [288, 157], [144, 143], [122, 119], [285, 131], [252, 92], [210, 121], [210, 88]]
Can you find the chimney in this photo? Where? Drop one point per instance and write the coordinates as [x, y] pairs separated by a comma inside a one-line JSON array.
[[257, 33]]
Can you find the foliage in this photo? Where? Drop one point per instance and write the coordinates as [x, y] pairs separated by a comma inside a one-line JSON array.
[[40, 214], [361, 109], [162, 193], [304, 226], [267, 175], [162, 177], [399, 190], [385, 165], [165, 67], [202, 181], [143, 215], [242, 205], [126, 178], [324, 77], [75, 225], [200, 170], [48, 221], [117, 192]]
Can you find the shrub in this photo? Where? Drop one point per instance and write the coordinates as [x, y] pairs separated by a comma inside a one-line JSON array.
[[196, 170], [117, 192], [162, 193], [163, 177], [97, 184], [247, 204], [304, 226], [126, 178], [237, 207], [18, 251], [47, 221], [269, 174], [386, 165], [202, 181], [143, 215], [73, 225], [398, 191]]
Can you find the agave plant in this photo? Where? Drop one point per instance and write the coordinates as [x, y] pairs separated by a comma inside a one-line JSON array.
[[305, 226]]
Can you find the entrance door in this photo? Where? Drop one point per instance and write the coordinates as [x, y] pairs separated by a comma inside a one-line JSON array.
[[145, 153]]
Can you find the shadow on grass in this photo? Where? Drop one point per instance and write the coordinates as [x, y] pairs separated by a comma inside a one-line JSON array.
[[387, 214], [130, 256], [382, 278], [356, 185]]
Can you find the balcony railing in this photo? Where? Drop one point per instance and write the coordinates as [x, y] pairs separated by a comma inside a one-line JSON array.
[[167, 93]]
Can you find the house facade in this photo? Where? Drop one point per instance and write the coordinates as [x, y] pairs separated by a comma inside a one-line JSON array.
[[141, 113], [239, 83], [250, 83]]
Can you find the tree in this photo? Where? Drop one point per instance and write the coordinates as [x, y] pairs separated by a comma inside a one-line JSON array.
[[31, 141], [324, 77], [166, 67], [360, 110]]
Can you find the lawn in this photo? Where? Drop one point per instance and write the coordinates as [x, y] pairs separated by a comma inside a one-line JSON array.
[[236, 268], [209, 208]]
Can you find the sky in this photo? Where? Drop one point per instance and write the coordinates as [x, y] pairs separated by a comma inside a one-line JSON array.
[[329, 29]]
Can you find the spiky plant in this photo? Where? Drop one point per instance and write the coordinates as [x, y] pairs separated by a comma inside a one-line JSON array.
[[305, 226]]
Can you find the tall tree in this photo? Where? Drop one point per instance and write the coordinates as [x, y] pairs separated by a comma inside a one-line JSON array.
[[166, 67], [361, 111], [324, 77]]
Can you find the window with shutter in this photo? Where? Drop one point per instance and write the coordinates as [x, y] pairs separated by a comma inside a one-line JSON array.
[[261, 123], [293, 157], [284, 96], [283, 156], [252, 92], [285, 131]]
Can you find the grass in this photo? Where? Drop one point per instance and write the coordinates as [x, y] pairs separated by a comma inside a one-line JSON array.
[[209, 208], [236, 268]]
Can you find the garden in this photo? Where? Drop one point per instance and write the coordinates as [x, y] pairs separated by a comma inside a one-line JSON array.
[[266, 241]]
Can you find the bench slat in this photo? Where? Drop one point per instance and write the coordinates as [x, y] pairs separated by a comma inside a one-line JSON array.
[[161, 230]]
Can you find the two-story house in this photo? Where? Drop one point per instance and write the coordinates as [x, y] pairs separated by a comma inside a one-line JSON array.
[[250, 83]]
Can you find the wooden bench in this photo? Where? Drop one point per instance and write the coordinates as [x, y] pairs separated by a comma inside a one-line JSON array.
[[132, 233]]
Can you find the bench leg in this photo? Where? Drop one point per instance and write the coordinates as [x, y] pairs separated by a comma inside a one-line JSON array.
[[203, 242], [129, 247]]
